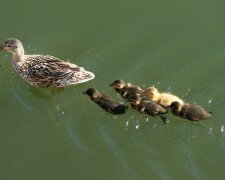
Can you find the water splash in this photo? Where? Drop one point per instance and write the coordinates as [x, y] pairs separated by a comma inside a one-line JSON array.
[[222, 128], [210, 131], [57, 107], [127, 123], [137, 126]]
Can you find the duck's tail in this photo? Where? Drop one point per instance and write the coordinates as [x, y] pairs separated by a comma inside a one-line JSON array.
[[83, 76]]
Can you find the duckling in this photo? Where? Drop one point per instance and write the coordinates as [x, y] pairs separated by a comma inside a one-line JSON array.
[[43, 70], [164, 99], [148, 107], [190, 112], [124, 89], [108, 104]]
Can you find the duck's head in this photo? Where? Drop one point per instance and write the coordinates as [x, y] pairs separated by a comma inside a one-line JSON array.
[[14, 46], [92, 93], [118, 84], [151, 92], [175, 106], [134, 99]]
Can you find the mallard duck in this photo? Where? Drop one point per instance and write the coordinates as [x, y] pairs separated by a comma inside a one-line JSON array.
[[190, 112], [108, 104], [164, 99], [148, 107], [126, 89], [44, 70]]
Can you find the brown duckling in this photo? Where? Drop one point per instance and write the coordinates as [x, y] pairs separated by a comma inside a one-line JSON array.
[[164, 99], [124, 89], [190, 112], [108, 104], [148, 107]]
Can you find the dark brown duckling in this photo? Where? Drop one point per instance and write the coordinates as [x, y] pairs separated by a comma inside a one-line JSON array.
[[190, 112], [148, 107], [108, 104], [124, 89]]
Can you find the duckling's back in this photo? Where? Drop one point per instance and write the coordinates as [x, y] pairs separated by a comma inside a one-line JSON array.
[[110, 105], [195, 112], [153, 108], [165, 99]]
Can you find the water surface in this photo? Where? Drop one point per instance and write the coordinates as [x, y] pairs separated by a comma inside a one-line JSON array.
[[178, 46]]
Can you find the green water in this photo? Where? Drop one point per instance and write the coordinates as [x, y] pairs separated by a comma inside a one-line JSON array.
[[176, 45]]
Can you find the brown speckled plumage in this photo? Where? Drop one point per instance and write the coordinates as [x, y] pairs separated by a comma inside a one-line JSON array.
[[44, 70]]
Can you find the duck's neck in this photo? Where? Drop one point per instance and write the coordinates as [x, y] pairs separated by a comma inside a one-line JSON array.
[[18, 55]]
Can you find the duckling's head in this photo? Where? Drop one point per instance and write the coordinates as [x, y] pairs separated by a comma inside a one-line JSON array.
[[151, 92], [176, 106], [134, 99], [13, 45], [92, 93], [118, 84]]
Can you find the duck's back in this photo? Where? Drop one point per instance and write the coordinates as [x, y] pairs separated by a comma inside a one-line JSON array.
[[48, 71]]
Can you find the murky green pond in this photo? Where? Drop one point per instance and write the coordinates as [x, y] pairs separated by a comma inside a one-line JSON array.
[[177, 45]]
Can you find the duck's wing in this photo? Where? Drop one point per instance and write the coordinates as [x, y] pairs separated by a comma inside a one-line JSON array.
[[52, 72]]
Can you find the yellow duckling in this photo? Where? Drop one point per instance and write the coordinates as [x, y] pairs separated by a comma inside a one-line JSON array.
[[44, 70], [189, 111], [164, 99]]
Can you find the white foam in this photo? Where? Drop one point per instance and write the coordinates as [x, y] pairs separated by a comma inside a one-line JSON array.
[[222, 129], [137, 126]]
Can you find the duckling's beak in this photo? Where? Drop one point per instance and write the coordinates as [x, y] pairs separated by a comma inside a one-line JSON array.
[[111, 84]]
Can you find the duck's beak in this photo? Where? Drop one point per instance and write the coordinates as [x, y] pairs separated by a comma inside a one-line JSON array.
[[111, 84]]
